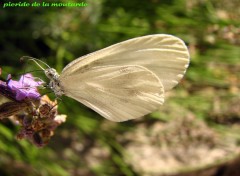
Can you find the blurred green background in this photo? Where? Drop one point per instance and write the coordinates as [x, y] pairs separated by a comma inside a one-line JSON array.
[[196, 131]]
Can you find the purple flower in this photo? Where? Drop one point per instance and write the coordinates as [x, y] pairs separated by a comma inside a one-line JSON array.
[[26, 87]]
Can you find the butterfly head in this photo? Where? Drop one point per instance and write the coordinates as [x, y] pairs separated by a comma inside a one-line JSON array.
[[54, 83], [51, 73]]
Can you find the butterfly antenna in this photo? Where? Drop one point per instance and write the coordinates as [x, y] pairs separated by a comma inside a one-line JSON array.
[[35, 60]]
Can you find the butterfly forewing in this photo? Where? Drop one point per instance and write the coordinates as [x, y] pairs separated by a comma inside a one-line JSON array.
[[165, 55]]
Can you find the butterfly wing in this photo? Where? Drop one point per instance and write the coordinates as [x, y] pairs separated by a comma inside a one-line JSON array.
[[118, 93], [165, 55]]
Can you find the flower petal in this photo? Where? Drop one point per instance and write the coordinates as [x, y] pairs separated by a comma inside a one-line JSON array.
[[26, 87], [21, 94]]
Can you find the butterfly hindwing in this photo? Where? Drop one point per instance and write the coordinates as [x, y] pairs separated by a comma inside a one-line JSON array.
[[118, 93]]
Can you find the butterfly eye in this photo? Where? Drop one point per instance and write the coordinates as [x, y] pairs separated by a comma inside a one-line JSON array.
[[49, 73]]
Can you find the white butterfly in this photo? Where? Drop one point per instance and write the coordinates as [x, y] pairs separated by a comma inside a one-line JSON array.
[[126, 80]]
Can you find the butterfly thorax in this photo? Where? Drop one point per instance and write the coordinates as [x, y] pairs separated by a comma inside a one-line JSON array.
[[54, 83]]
